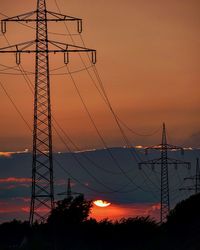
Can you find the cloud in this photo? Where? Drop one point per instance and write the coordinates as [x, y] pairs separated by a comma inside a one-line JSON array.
[[15, 180], [9, 154], [5, 154], [12, 206]]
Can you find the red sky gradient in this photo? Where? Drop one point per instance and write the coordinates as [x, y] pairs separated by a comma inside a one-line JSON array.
[[19, 208], [148, 58]]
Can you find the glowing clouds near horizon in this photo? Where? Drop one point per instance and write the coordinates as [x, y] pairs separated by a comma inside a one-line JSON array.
[[101, 203]]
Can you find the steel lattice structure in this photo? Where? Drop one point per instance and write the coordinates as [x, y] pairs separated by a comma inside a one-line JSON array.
[[42, 169], [196, 179], [69, 194], [164, 161], [42, 198]]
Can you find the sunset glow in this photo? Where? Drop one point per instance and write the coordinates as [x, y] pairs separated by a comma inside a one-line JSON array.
[[119, 211]]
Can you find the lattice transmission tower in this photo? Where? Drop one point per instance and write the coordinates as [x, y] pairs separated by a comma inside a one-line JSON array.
[[42, 198], [164, 161], [195, 186], [69, 193]]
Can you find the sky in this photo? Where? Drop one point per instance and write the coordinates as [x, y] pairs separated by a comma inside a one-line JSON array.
[[147, 58], [102, 181], [148, 61]]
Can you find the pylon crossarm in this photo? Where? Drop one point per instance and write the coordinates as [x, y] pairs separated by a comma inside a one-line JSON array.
[[26, 17], [187, 189], [150, 162], [61, 17], [65, 193], [154, 161], [70, 47], [57, 17], [67, 48], [59, 48], [51, 17], [21, 47], [190, 178], [22, 17], [175, 161], [77, 193]]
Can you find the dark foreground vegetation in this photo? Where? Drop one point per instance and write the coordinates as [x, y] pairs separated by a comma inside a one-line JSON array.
[[68, 228]]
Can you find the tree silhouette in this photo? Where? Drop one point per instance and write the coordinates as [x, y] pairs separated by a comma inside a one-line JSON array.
[[72, 210], [186, 212], [182, 228]]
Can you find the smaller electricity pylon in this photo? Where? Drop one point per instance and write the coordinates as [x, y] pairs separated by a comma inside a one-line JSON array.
[[69, 194], [196, 180], [164, 161]]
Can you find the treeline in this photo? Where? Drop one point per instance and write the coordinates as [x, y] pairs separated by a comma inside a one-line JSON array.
[[68, 228]]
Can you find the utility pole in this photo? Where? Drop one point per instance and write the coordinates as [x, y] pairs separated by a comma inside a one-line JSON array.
[[42, 198], [196, 179], [164, 161], [69, 194]]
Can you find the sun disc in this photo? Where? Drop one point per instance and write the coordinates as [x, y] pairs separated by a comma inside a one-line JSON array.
[[101, 203]]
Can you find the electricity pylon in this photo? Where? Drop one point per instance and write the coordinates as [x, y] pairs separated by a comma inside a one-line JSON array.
[[69, 194], [196, 179], [164, 161], [42, 198]]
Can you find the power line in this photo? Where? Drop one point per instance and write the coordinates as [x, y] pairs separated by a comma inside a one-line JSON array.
[[29, 127], [16, 108], [124, 172], [101, 137], [112, 111], [83, 167], [22, 117], [30, 85], [105, 98]]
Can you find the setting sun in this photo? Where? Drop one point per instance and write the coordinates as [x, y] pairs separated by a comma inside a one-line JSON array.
[[101, 203]]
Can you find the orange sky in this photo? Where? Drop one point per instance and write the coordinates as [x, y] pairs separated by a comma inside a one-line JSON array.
[[119, 211], [148, 58]]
